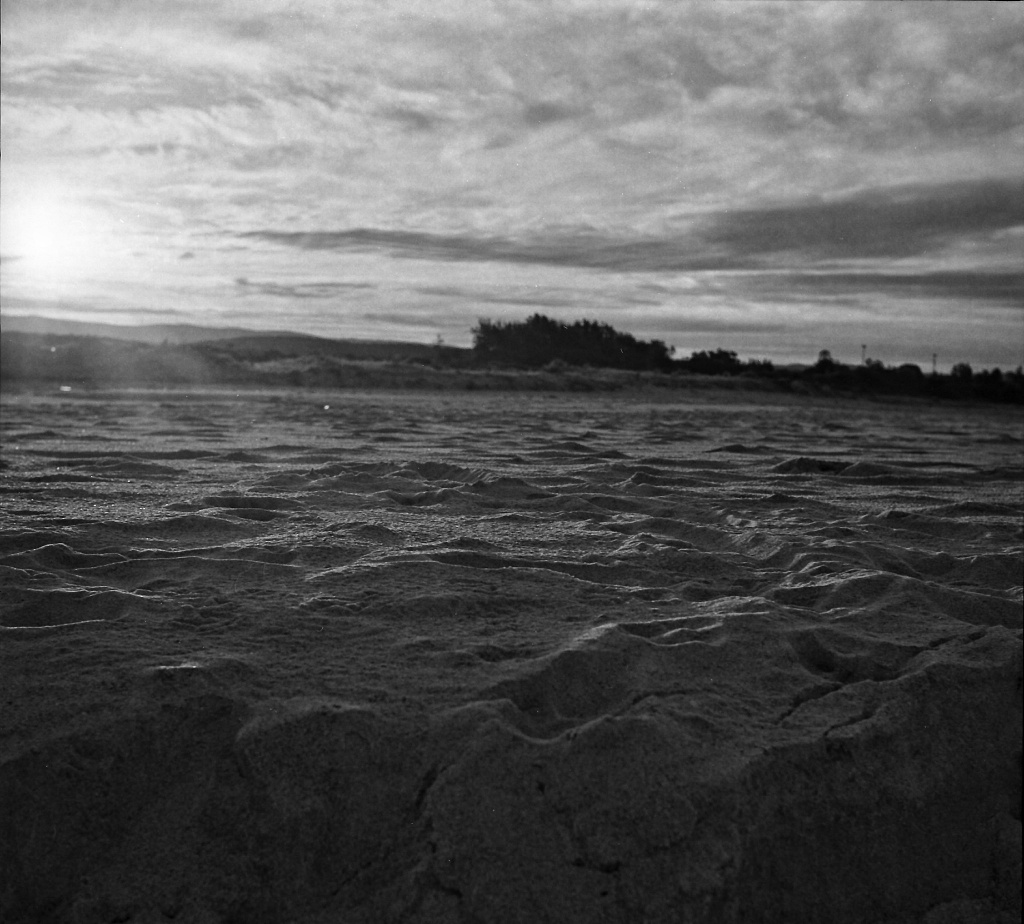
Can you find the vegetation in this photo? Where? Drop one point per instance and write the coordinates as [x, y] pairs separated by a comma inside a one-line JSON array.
[[536, 354], [718, 362], [538, 341], [873, 377]]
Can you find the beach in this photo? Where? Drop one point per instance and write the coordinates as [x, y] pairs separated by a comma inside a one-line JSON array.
[[356, 656]]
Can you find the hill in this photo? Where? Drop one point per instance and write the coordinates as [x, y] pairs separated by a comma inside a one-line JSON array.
[[242, 340], [141, 333]]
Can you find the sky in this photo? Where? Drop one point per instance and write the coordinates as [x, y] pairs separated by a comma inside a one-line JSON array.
[[774, 178]]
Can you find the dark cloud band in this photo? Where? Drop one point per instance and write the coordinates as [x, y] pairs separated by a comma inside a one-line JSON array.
[[895, 223], [881, 224]]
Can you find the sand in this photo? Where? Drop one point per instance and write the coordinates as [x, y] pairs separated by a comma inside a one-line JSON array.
[[406, 657]]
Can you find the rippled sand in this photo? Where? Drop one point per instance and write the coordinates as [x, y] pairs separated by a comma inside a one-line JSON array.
[[424, 657]]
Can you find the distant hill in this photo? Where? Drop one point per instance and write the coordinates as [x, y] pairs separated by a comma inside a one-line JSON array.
[[243, 342], [260, 361], [140, 333], [41, 349]]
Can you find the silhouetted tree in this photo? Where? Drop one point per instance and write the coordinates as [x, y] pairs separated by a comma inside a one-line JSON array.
[[759, 367], [825, 361], [962, 372], [909, 379], [539, 340], [717, 362]]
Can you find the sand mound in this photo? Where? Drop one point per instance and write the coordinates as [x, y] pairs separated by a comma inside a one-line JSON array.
[[609, 660]]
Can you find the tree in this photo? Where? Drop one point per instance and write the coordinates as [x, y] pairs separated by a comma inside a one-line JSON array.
[[717, 362], [760, 367], [539, 340]]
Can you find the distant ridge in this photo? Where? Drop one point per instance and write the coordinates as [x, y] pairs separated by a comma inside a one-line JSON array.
[[245, 340], [140, 333], [38, 347]]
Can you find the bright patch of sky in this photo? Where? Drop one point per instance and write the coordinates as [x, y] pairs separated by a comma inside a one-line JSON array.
[[770, 177]]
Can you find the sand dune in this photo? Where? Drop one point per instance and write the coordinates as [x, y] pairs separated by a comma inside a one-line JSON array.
[[399, 657]]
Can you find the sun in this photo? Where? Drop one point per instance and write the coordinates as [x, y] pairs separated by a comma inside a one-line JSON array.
[[52, 236]]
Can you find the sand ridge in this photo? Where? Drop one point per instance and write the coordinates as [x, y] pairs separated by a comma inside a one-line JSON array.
[[408, 657]]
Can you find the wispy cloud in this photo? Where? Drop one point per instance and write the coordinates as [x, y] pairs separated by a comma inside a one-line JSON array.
[[884, 224], [319, 290], [698, 103]]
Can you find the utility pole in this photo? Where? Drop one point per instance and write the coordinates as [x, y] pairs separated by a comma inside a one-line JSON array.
[[863, 353], [935, 361]]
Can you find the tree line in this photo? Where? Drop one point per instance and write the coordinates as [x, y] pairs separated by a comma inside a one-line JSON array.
[[540, 342]]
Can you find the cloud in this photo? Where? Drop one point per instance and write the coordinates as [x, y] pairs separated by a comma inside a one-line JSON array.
[[301, 290], [500, 116], [501, 296], [545, 113], [878, 74], [88, 310], [882, 224], [895, 290], [887, 223], [576, 250], [414, 120]]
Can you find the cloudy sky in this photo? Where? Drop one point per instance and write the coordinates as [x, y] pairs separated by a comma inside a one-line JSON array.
[[774, 178]]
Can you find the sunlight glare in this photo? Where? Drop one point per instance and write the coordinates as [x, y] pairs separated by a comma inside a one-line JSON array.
[[53, 237]]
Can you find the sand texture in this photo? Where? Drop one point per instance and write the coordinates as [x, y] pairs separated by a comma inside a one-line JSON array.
[[485, 658]]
